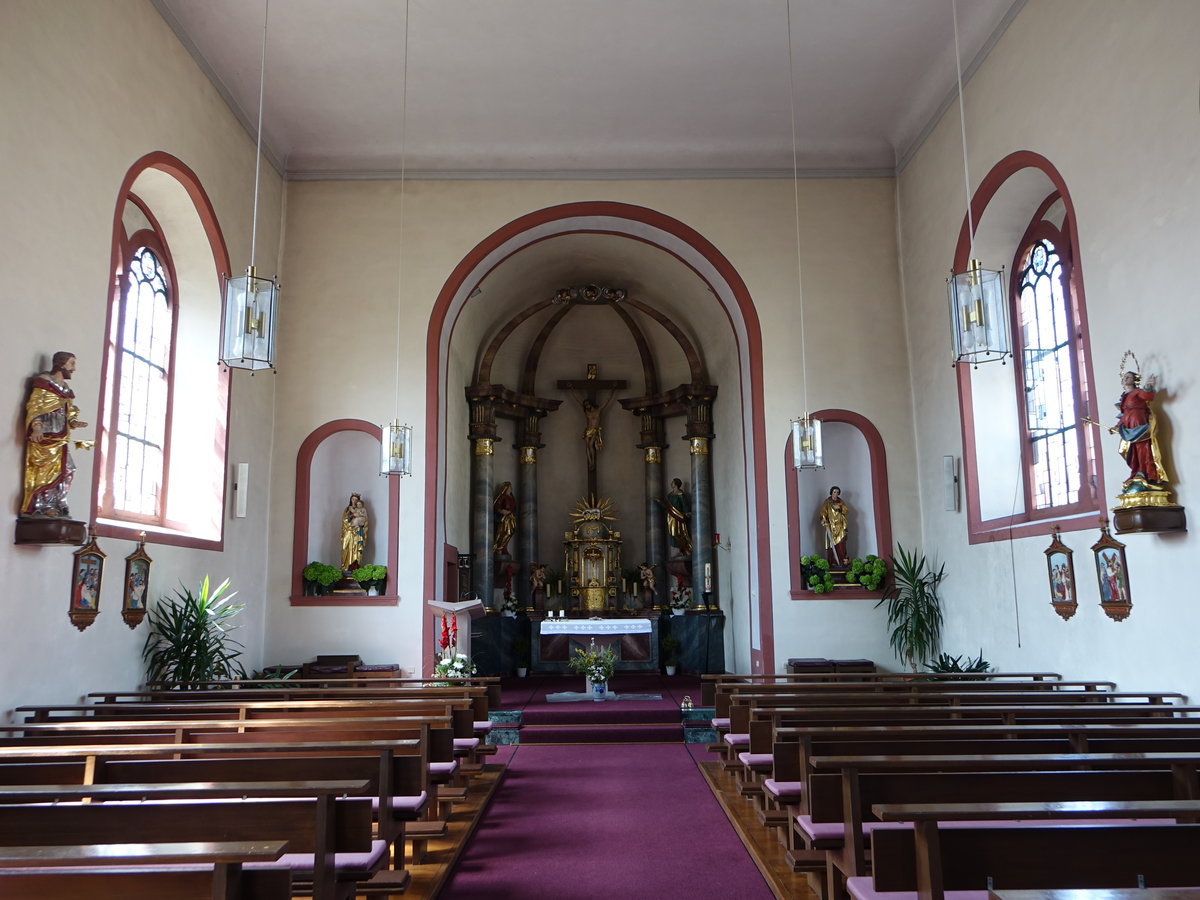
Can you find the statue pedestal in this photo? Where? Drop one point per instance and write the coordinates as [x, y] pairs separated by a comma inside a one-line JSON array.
[[462, 613], [49, 530], [1149, 519]]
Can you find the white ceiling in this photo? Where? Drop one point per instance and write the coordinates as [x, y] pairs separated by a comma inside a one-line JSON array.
[[588, 88]]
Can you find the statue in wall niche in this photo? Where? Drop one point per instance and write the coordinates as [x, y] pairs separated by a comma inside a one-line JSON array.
[[649, 583], [354, 533], [504, 511], [537, 584], [50, 417], [835, 519]]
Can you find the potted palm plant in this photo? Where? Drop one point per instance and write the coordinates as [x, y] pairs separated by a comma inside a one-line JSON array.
[[189, 636], [914, 611], [670, 653]]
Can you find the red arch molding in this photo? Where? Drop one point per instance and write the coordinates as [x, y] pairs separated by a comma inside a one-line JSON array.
[[1005, 528], [881, 504], [163, 162], [758, 530], [304, 458]]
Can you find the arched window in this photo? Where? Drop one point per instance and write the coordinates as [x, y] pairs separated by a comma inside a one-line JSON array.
[[137, 414], [1029, 461], [1047, 344], [156, 472]]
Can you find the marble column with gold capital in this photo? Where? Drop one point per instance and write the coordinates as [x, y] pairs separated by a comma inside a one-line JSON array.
[[704, 561], [656, 533], [527, 522], [483, 570]]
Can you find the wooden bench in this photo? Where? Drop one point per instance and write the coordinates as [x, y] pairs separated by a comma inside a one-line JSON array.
[[198, 870], [839, 818], [926, 861], [317, 829]]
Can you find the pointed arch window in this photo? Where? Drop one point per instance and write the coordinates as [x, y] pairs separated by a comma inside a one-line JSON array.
[[1051, 397], [135, 481]]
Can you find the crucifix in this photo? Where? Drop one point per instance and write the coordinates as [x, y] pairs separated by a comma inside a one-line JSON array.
[[593, 435]]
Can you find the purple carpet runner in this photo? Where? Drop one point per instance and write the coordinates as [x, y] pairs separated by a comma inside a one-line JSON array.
[[614, 812]]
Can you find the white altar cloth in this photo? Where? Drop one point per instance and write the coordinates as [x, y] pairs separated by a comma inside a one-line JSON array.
[[596, 626]]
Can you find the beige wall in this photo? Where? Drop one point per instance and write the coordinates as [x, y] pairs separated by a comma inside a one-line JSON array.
[[87, 90], [341, 254], [1119, 121]]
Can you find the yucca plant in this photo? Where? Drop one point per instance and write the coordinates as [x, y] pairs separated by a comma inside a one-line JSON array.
[[913, 609], [189, 636]]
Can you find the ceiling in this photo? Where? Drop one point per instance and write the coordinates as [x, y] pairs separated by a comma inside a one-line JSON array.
[[588, 88]]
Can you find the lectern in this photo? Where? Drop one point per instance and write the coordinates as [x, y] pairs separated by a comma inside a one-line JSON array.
[[462, 613]]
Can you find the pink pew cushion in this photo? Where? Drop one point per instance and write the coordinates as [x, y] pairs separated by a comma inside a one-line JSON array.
[[482, 726], [737, 740], [785, 790], [861, 887], [720, 722], [756, 760], [351, 866], [466, 743], [404, 804], [443, 768]]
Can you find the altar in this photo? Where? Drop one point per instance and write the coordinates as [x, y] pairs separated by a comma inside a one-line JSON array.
[[634, 641]]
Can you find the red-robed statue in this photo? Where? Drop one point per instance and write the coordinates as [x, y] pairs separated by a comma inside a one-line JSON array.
[[1136, 426]]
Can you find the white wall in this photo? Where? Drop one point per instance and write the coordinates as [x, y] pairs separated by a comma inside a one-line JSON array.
[[1118, 119], [86, 89]]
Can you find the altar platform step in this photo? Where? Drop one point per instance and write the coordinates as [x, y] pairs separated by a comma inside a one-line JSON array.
[[603, 733]]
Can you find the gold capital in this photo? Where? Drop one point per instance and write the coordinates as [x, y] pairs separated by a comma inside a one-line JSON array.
[[483, 447], [653, 455], [699, 446], [528, 456]]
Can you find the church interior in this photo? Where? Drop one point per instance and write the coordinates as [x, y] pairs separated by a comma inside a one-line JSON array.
[[561, 289]]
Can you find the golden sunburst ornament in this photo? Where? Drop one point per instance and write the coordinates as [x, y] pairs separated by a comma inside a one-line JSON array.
[[593, 509]]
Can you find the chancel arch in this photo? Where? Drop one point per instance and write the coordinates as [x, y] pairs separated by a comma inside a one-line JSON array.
[[496, 322]]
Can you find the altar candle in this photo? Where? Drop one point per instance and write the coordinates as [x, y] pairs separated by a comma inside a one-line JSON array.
[[560, 587], [708, 577]]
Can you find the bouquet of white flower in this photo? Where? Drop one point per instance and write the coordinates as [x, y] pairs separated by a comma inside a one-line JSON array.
[[456, 666], [596, 665]]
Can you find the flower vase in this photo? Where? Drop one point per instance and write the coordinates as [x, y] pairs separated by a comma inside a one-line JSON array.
[[599, 690]]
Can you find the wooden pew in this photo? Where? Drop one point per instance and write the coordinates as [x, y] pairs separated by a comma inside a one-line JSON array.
[[316, 828], [197, 871], [839, 814], [710, 683], [926, 861]]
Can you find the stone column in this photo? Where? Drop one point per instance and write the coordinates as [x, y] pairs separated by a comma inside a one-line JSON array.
[[656, 532], [483, 531], [482, 434], [527, 523], [699, 437]]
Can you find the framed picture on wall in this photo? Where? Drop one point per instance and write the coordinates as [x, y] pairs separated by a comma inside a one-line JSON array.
[[1060, 567], [86, 577], [1112, 574], [137, 584]]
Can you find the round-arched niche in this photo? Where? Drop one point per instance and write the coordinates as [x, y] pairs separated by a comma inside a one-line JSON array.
[[856, 463], [337, 460]]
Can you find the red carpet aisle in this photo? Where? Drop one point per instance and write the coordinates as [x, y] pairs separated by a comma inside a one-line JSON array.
[[586, 821]]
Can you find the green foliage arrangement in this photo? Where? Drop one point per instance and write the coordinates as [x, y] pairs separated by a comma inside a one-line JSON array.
[[189, 636], [670, 650], [520, 649], [913, 609], [815, 571], [366, 574], [869, 572], [596, 664], [946, 663], [321, 573]]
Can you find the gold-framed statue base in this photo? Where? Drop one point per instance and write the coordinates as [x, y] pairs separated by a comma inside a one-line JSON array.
[[50, 530], [1144, 507]]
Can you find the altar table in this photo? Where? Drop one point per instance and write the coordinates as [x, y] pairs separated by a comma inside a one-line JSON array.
[[635, 642]]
